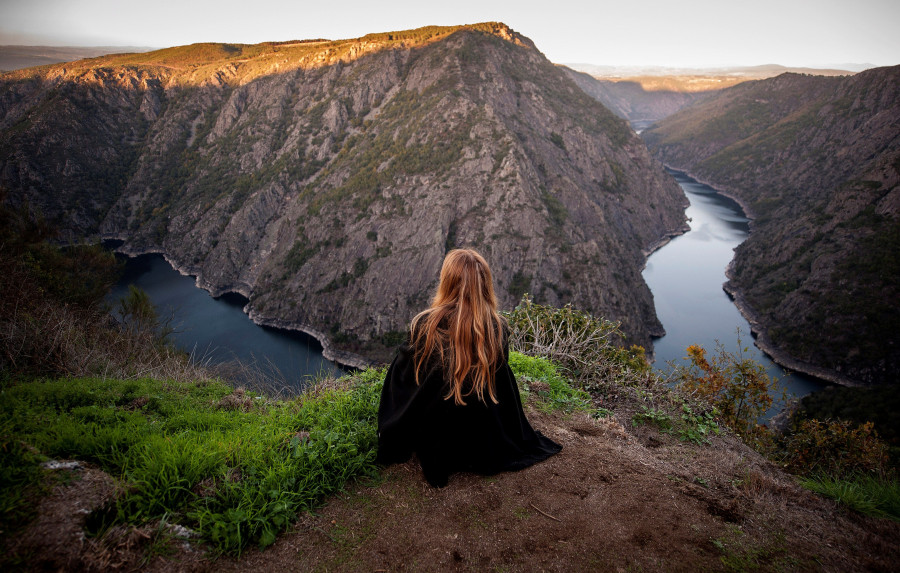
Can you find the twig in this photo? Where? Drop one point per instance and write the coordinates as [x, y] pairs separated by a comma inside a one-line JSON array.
[[545, 513]]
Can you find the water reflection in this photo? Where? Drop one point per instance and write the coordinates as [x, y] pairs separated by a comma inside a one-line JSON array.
[[216, 329], [686, 278]]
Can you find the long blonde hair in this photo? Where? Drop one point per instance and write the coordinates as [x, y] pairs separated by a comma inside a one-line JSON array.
[[462, 326]]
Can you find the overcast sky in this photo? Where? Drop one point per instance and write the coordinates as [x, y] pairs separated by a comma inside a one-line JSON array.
[[698, 33]]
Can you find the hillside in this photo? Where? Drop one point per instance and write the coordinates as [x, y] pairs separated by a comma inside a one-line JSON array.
[[816, 162], [18, 57], [645, 100], [645, 95], [620, 496], [325, 180]]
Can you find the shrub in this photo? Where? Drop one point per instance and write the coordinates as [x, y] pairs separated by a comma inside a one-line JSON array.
[[737, 386], [583, 345], [834, 447]]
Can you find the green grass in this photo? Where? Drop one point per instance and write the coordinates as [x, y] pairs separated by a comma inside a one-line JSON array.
[[878, 497], [235, 466], [236, 469], [542, 378]]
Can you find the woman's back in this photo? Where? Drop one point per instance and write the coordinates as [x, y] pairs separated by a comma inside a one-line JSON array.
[[449, 395]]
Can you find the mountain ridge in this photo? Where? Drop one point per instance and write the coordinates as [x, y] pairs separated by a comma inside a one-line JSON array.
[[326, 184]]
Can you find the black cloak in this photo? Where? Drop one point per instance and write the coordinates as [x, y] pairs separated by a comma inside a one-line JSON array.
[[479, 437]]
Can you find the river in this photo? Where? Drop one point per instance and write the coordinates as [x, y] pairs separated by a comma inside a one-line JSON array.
[[217, 329], [686, 278]]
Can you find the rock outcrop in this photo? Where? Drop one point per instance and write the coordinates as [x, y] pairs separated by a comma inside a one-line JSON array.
[[816, 162], [326, 180]]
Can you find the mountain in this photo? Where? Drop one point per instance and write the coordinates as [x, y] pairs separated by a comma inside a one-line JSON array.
[[645, 100], [325, 180], [644, 96], [816, 162]]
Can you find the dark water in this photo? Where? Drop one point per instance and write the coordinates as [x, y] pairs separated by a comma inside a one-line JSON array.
[[217, 328], [686, 278]]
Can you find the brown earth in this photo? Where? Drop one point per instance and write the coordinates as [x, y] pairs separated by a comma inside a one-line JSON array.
[[617, 498]]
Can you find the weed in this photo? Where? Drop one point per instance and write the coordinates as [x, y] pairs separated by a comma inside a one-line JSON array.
[[660, 419], [697, 427], [690, 427]]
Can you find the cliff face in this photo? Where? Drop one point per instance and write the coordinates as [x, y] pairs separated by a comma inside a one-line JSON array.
[[817, 162], [326, 180]]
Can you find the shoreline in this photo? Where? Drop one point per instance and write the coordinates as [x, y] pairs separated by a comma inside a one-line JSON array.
[[761, 340], [757, 330], [329, 352], [665, 240], [748, 212]]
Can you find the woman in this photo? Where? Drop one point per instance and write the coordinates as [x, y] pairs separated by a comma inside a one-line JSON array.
[[450, 396]]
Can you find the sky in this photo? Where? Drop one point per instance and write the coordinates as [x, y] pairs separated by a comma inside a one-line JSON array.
[[690, 33]]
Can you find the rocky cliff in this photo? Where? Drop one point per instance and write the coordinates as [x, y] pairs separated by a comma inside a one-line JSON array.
[[326, 180], [816, 161]]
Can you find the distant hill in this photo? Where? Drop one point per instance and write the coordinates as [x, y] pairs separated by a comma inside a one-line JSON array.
[[644, 96], [816, 160], [749, 72], [19, 57], [326, 180]]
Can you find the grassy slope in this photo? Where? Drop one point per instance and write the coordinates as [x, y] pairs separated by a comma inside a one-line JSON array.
[[236, 467]]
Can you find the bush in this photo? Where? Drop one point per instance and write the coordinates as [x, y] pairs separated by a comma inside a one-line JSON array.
[[737, 386], [583, 345], [836, 448]]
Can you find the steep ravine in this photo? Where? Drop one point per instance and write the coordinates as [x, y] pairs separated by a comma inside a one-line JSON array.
[[816, 162], [324, 181]]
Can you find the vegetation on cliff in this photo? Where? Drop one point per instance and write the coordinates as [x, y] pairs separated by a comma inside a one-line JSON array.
[[326, 180], [816, 161]]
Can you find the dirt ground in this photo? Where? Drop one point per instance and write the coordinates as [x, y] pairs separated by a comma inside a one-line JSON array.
[[616, 498]]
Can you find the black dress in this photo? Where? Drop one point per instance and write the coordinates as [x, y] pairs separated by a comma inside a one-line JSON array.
[[484, 438]]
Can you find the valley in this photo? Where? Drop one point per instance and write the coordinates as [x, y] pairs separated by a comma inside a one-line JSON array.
[[324, 181], [816, 163]]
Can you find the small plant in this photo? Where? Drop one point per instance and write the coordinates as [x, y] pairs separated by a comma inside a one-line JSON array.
[[689, 427], [658, 418], [697, 427], [735, 385]]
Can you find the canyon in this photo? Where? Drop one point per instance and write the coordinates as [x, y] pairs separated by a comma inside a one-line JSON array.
[[325, 180]]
